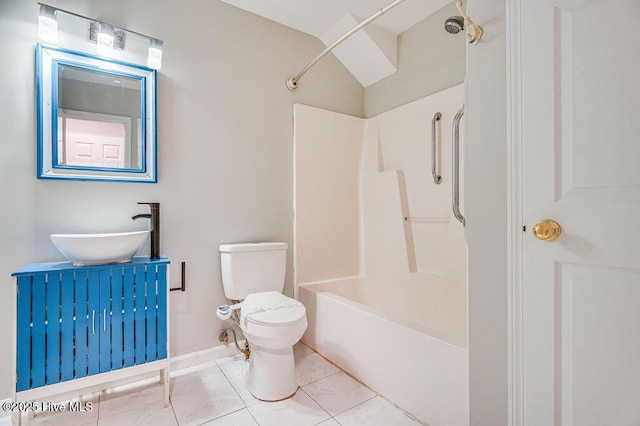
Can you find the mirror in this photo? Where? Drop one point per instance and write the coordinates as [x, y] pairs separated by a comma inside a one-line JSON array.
[[96, 118]]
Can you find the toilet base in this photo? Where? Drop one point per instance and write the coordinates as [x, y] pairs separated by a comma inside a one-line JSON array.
[[271, 373]]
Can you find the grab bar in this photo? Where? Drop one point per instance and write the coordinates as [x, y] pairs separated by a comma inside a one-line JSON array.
[[436, 177], [456, 167]]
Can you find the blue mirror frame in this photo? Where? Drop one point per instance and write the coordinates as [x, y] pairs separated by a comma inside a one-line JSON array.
[[49, 61]]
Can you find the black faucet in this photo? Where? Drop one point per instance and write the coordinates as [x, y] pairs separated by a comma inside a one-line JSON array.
[[155, 227]]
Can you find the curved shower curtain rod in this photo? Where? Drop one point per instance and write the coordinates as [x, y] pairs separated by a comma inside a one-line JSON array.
[[292, 82]]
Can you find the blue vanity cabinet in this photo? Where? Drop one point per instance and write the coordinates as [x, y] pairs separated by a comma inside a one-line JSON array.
[[80, 326]]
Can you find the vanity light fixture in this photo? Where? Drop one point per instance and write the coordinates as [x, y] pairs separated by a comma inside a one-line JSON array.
[[48, 24], [155, 54], [106, 36]]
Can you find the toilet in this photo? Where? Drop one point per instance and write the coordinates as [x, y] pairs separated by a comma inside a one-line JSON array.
[[254, 273]]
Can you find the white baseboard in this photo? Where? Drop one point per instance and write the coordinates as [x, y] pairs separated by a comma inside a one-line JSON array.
[[204, 356]]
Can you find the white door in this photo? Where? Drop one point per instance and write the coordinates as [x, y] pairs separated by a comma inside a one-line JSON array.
[[94, 143], [581, 159]]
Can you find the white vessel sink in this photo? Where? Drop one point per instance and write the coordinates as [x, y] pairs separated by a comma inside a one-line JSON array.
[[99, 249]]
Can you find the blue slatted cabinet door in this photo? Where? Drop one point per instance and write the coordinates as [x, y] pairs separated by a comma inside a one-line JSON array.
[[93, 344], [127, 317], [152, 354], [23, 341], [162, 311], [81, 324], [53, 327], [140, 346], [38, 332], [116, 318], [66, 326], [72, 323], [105, 319]]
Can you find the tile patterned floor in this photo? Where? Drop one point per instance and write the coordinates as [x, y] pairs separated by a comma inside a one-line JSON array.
[[214, 394]]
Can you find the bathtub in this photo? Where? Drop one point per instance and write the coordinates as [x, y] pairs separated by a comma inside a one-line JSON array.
[[422, 371]]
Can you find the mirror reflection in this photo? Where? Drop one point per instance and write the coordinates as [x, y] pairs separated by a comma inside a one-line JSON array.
[[98, 119]]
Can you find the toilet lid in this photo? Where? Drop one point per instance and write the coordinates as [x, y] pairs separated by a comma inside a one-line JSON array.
[[271, 308]]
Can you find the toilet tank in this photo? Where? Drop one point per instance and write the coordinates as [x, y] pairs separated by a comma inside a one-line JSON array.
[[252, 268]]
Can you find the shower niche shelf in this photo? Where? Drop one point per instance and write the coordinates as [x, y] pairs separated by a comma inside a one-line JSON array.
[[84, 326]]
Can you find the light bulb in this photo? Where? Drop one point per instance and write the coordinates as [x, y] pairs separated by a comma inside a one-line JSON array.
[[155, 54], [47, 24], [105, 39]]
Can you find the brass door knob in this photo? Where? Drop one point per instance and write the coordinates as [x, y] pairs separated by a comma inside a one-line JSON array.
[[547, 230]]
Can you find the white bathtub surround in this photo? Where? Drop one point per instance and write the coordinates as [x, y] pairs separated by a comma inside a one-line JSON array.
[[326, 194], [377, 248], [421, 261], [350, 217]]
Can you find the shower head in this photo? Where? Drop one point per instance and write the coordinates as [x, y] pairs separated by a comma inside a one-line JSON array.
[[454, 24]]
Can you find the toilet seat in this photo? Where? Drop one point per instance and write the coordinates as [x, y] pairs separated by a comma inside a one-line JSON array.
[[271, 308]]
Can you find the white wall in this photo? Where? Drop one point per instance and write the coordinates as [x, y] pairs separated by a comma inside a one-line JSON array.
[[429, 60], [487, 220], [225, 148]]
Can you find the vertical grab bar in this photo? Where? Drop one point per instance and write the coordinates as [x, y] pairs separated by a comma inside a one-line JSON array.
[[436, 177], [456, 167]]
